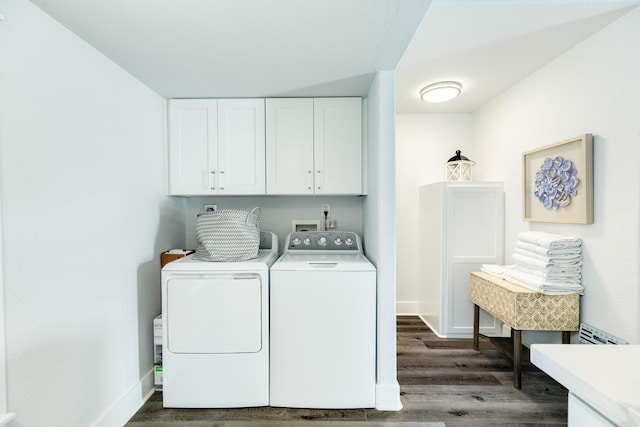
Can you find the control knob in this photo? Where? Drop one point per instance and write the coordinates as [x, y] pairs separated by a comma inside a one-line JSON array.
[[348, 241], [307, 241], [322, 241], [338, 241], [296, 241]]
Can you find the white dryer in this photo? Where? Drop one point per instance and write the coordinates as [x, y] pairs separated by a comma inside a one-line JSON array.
[[323, 323], [216, 331]]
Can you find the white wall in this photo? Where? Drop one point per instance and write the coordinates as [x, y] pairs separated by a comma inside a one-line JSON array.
[[5, 416], [593, 88], [379, 230], [425, 143], [84, 220], [278, 212]]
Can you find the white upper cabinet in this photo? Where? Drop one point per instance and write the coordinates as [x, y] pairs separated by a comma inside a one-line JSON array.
[[314, 146], [216, 147], [337, 145], [290, 146], [193, 143], [241, 146]]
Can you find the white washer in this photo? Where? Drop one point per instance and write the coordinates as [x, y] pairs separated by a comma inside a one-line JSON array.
[[323, 323], [216, 331]]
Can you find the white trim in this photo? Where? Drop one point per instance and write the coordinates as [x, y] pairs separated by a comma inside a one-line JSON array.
[[5, 418], [380, 231], [388, 397], [407, 308], [125, 408]]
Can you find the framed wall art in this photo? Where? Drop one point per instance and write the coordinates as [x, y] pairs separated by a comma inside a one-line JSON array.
[[557, 182]]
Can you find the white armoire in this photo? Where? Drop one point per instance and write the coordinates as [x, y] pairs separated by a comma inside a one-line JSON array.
[[461, 227]]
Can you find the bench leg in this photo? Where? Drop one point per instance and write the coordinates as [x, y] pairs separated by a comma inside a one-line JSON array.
[[476, 326], [566, 337], [517, 358]]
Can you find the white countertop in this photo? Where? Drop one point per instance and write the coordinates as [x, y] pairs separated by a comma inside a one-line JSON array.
[[607, 377]]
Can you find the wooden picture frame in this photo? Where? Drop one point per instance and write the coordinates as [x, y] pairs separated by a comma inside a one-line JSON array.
[[557, 182]]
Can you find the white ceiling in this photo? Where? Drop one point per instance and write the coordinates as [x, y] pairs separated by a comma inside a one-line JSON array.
[[246, 48], [269, 48], [490, 45]]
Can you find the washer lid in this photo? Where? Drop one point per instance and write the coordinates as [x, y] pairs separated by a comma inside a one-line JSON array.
[[322, 261]]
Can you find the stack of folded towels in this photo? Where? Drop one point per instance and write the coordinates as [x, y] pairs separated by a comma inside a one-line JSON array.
[[546, 263]]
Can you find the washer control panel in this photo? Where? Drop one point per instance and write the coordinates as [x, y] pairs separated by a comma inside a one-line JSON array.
[[323, 241]]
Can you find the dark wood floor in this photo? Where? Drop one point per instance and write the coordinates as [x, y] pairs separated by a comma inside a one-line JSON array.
[[443, 382]]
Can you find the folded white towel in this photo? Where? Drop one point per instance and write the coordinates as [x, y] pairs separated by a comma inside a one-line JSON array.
[[497, 270], [537, 284], [543, 286], [549, 240], [569, 274], [555, 259], [548, 252], [547, 290], [533, 262]]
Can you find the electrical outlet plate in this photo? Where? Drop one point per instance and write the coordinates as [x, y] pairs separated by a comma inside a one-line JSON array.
[[210, 208]]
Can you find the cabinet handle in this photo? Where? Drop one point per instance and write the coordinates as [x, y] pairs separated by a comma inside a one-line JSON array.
[[212, 180], [222, 179]]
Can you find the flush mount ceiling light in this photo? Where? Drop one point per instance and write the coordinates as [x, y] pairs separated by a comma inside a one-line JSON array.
[[440, 91]]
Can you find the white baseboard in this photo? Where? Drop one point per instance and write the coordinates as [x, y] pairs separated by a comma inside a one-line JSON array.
[[5, 418], [506, 331], [388, 397], [126, 407], [406, 308]]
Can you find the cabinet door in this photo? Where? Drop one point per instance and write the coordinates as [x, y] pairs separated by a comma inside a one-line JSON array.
[[461, 227], [192, 146], [241, 146], [474, 236], [338, 145], [289, 146]]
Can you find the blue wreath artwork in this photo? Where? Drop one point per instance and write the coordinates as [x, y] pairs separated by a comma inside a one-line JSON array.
[[556, 183]]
